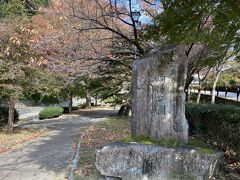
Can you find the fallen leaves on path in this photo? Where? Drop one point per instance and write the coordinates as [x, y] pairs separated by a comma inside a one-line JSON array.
[[95, 137], [12, 141]]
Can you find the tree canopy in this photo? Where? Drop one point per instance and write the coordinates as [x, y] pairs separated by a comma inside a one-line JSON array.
[[214, 23], [11, 9]]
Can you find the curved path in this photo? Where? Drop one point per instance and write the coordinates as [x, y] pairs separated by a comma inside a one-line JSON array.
[[49, 157]]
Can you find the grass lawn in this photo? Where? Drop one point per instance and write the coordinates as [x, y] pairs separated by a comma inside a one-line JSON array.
[[12, 141], [117, 129], [95, 137]]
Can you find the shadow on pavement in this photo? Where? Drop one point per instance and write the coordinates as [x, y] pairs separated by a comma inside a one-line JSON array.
[[52, 154]]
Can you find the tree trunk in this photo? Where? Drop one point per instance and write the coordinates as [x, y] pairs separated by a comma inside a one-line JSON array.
[[128, 110], [199, 95], [189, 95], [70, 103], [186, 96], [226, 93], [11, 105], [214, 88], [96, 101], [187, 87], [88, 100], [125, 110], [122, 110]]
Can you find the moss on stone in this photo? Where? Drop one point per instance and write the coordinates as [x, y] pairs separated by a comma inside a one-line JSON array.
[[198, 144], [128, 139], [168, 142], [204, 150], [139, 139]]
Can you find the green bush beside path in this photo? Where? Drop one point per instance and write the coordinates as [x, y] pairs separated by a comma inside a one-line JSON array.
[[220, 124], [50, 112], [4, 116]]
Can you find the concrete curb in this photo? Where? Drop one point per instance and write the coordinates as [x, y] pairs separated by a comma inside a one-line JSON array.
[[74, 162]]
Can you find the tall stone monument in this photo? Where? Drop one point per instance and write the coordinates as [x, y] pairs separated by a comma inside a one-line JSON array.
[[158, 102], [158, 106]]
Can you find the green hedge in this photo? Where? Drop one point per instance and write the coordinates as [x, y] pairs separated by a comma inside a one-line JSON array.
[[50, 112], [219, 123], [4, 116]]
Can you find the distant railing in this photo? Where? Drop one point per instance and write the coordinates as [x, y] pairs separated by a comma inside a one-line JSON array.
[[226, 93]]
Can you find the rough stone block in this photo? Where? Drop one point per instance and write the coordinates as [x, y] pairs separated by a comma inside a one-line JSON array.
[[158, 100], [140, 162]]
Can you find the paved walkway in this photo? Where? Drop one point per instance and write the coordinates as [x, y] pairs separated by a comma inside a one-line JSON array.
[[48, 158]]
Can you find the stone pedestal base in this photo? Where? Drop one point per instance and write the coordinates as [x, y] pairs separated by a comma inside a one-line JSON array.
[[140, 162]]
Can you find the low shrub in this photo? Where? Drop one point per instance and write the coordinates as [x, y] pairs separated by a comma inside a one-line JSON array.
[[4, 116], [219, 123], [50, 112]]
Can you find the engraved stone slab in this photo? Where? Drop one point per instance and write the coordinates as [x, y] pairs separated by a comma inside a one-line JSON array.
[[139, 162], [158, 95]]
